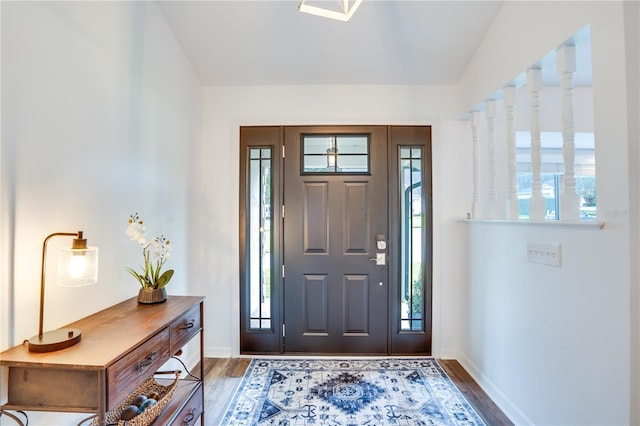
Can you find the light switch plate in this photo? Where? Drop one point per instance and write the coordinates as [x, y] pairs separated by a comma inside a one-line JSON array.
[[545, 253]]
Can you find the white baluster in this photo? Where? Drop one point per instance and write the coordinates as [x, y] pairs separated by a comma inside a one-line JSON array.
[[491, 136], [509, 100], [475, 207], [570, 201], [536, 203]]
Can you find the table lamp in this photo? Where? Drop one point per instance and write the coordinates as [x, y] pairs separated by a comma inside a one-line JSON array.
[[77, 266]]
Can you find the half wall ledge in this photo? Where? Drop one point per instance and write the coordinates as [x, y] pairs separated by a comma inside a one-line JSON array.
[[588, 224]]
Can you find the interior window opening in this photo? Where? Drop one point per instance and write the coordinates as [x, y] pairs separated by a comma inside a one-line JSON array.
[[552, 173]]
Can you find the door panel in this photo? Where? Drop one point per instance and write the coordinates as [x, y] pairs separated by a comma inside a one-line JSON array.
[[355, 306], [356, 221], [316, 304], [316, 217], [335, 296]]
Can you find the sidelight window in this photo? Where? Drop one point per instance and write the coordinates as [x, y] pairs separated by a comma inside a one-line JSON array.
[[412, 231], [260, 237]]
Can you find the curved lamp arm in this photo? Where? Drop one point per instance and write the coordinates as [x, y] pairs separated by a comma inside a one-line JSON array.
[[42, 271]]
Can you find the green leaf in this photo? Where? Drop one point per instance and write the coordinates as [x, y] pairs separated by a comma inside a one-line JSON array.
[[164, 279], [137, 276]]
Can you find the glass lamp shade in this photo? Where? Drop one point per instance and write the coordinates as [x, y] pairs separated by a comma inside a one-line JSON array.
[[77, 267]]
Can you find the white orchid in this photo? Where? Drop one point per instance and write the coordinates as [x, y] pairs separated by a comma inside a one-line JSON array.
[[136, 230], [159, 249]]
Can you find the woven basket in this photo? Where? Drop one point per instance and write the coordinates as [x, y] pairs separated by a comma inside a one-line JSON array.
[[150, 414]]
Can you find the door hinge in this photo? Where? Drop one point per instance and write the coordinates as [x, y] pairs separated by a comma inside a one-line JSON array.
[[284, 330], [282, 271], [282, 151], [283, 211]]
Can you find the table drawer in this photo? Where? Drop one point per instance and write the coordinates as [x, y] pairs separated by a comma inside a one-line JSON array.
[[184, 328], [192, 410], [45, 387], [130, 371]]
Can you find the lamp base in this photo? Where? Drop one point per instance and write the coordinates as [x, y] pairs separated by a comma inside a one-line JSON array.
[[54, 340]]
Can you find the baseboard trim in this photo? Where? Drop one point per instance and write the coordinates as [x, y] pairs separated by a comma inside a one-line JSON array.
[[217, 352], [449, 355], [496, 395]]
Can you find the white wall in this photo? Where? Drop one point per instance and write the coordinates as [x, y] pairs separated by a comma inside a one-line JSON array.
[[100, 109], [101, 115], [552, 345], [215, 208], [632, 32]]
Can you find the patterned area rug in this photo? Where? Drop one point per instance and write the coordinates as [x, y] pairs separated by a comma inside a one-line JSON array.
[[354, 392]]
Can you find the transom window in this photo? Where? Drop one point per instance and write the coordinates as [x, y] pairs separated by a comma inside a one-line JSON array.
[[335, 154]]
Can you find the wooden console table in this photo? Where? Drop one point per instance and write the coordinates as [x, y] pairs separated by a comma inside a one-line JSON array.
[[121, 347]]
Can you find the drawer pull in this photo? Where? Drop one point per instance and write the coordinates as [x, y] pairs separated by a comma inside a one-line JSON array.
[[189, 417], [146, 362], [189, 325]]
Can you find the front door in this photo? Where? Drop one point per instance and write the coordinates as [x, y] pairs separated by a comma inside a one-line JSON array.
[[335, 239], [335, 282]]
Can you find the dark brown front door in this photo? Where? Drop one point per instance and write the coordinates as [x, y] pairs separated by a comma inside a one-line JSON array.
[[336, 284]]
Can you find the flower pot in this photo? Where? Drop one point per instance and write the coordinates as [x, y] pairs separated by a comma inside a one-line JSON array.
[[150, 296]]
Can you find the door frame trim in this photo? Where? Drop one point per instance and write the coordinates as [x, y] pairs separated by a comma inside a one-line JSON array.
[[272, 341]]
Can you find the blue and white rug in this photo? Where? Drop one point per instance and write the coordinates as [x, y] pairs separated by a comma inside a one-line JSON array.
[[354, 392]]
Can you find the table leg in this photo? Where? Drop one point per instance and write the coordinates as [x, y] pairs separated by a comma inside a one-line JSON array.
[[102, 398], [15, 418]]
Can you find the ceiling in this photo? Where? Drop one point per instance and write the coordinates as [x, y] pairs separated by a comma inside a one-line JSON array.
[[266, 42]]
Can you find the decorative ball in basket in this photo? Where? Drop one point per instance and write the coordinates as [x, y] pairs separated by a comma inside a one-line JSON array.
[[144, 405]]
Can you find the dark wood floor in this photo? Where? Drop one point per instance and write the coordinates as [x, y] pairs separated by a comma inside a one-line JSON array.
[[483, 405], [223, 375]]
